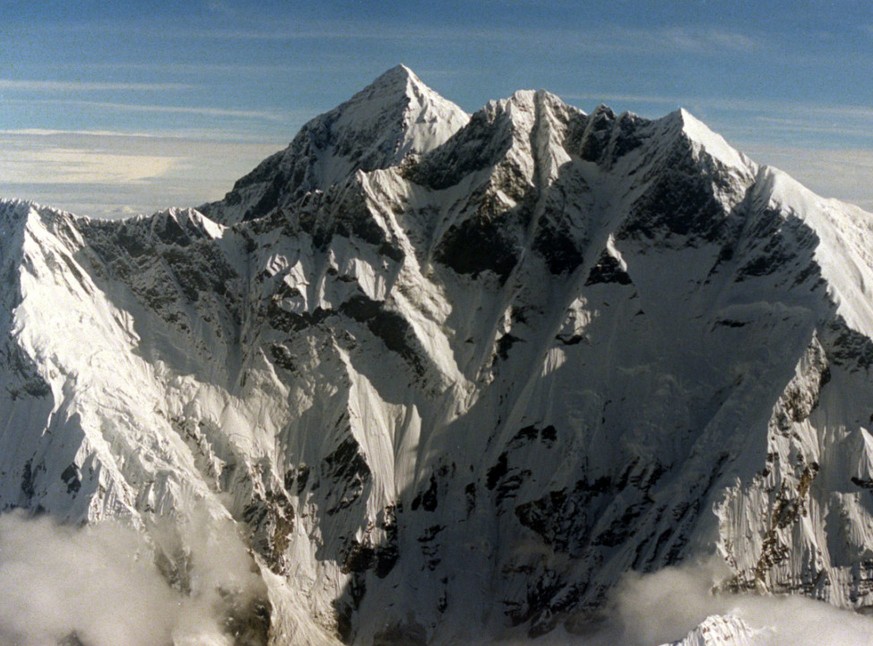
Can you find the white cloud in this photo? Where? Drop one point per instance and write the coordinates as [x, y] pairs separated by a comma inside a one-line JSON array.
[[663, 607], [855, 112], [99, 582], [108, 174], [76, 166], [704, 40], [102, 583]]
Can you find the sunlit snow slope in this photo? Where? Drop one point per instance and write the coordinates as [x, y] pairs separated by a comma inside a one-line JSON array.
[[456, 374]]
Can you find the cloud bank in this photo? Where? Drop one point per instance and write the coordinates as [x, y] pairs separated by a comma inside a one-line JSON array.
[[194, 583], [111, 174], [664, 607], [103, 585]]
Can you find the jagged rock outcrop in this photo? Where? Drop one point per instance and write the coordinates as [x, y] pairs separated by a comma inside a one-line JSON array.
[[491, 362]]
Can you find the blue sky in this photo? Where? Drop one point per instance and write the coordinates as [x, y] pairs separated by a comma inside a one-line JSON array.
[[131, 106]]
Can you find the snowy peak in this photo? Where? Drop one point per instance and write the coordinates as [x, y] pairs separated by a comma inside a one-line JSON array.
[[395, 78], [510, 143], [710, 142], [428, 119], [397, 115], [392, 118]]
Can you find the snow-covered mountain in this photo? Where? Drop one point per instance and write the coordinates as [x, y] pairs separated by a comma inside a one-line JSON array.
[[452, 376]]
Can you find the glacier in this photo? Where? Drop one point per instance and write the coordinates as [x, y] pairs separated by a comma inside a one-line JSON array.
[[450, 377]]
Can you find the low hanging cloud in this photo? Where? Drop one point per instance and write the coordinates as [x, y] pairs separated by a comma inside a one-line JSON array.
[[101, 585], [77, 166], [664, 607], [194, 584], [109, 174]]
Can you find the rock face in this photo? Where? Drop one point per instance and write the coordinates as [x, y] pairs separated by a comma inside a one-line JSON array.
[[455, 375]]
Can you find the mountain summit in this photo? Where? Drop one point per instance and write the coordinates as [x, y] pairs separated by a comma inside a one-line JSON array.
[[451, 377], [394, 117]]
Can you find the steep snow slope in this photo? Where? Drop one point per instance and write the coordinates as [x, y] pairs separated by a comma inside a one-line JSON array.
[[454, 377]]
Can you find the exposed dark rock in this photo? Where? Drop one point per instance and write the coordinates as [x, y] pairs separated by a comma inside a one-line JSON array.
[[428, 499], [561, 518], [608, 270], [347, 469], [402, 634], [369, 554], [498, 471], [473, 247], [570, 339], [680, 203], [389, 326], [475, 147], [846, 347], [28, 477], [282, 357], [290, 322], [530, 434], [297, 479], [271, 522], [72, 478], [72, 639], [247, 620], [598, 131], [470, 493], [505, 344], [866, 483], [558, 249]]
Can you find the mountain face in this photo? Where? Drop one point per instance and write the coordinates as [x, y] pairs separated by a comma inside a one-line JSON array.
[[453, 376]]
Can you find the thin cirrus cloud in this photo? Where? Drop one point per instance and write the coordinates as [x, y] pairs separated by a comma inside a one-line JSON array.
[[698, 40], [198, 69], [36, 156], [266, 115], [856, 131], [108, 173], [51, 132], [25, 85], [78, 166], [702, 40]]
